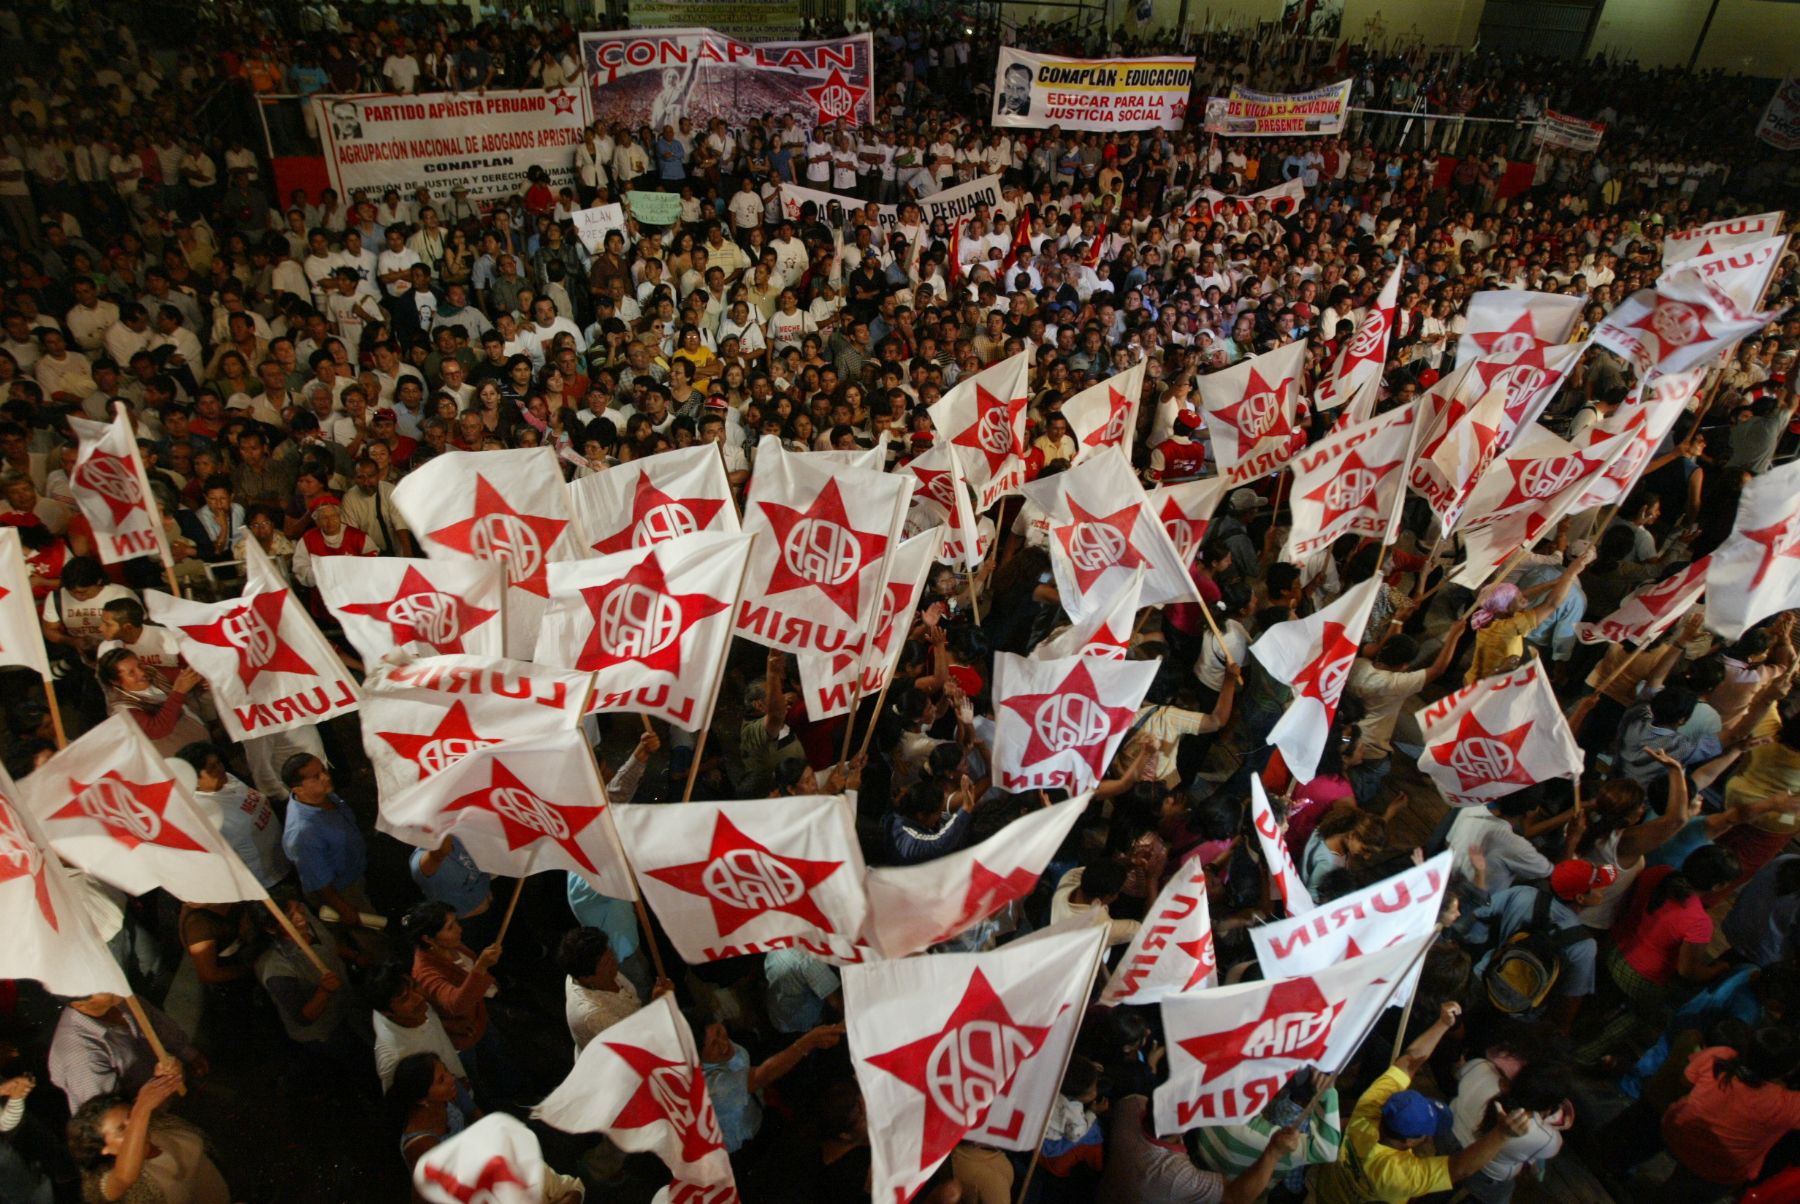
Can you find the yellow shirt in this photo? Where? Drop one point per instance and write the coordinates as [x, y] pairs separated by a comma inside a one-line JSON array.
[[1769, 770], [1366, 1169], [1498, 642]]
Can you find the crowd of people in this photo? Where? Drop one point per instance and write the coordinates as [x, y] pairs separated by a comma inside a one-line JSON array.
[[287, 360]]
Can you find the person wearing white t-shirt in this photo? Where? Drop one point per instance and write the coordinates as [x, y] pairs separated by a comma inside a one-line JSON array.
[[843, 165], [818, 162], [789, 325], [402, 71], [395, 264], [72, 612], [244, 817]]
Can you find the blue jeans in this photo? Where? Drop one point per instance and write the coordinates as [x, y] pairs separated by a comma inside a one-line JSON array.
[[1366, 780]]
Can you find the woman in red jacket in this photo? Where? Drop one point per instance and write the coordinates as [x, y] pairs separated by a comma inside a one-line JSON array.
[[458, 983]]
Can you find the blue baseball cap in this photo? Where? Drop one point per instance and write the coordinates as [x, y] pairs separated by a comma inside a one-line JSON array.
[[1408, 1115]]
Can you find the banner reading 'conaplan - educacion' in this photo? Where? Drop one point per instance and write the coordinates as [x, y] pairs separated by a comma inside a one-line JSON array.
[[656, 77], [1036, 91], [482, 141]]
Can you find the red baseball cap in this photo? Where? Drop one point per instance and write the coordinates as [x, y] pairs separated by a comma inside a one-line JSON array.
[[1574, 878]]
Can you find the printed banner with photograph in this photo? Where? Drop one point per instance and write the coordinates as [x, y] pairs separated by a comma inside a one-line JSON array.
[[1247, 114], [950, 204], [1036, 91], [483, 141], [637, 77], [1568, 133], [754, 19], [1780, 124]]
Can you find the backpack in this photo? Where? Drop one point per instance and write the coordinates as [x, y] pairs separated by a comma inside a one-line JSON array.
[[1524, 968]]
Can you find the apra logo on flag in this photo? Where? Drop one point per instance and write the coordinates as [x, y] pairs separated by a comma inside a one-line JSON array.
[[1059, 722], [1250, 410], [496, 1160], [388, 602], [109, 488], [1493, 737], [1272, 840], [662, 497]]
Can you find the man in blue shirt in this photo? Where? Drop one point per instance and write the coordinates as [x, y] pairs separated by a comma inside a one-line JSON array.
[[671, 157], [447, 874], [1573, 884], [735, 1085], [321, 838]]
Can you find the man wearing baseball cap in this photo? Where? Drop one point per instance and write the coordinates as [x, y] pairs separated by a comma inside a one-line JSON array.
[[1380, 1158], [1549, 915]]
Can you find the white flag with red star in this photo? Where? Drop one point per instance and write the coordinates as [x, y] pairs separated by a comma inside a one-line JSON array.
[[651, 624], [269, 667], [1631, 435], [113, 493], [1106, 635], [1506, 321], [1102, 529], [1649, 610], [824, 533], [936, 1041], [496, 1160], [1716, 237], [109, 805], [1185, 511], [1466, 439], [1252, 412], [1682, 323], [943, 492], [1355, 379], [388, 602], [49, 938], [1106, 415], [422, 715], [1058, 723], [1172, 952], [1756, 572], [914, 907], [828, 680], [507, 507], [1271, 839], [983, 418], [1232, 1049], [1313, 655], [639, 1082], [1500, 734], [1742, 272], [21, 635], [520, 806], [1398, 908], [657, 498], [1350, 483], [728, 879]]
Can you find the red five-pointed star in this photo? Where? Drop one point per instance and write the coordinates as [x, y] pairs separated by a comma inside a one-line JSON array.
[[453, 739], [1480, 757], [19, 858], [1205, 959], [1070, 718], [496, 1172], [563, 101], [817, 546], [526, 817], [1095, 543], [742, 879], [1675, 324], [995, 431], [495, 531], [988, 892], [114, 479], [1185, 533], [1295, 1025], [963, 1067], [1541, 478], [420, 611], [936, 484], [1522, 335], [836, 98], [636, 618], [672, 1093], [253, 631], [1352, 488], [1112, 431], [1779, 539], [132, 813], [1261, 413], [1323, 678], [655, 517]]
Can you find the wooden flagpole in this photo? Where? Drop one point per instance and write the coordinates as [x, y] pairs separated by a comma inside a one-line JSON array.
[[511, 906], [637, 896], [149, 1030], [56, 722], [287, 926], [1038, 1149], [693, 775]]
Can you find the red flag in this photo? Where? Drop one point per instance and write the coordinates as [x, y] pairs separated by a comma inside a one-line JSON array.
[[21, 636], [1494, 737], [1756, 572], [109, 805], [914, 907], [1355, 379], [1350, 482], [936, 1041], [388, 602], [1021, 241], [520, 806], [113, 493], [640, 1083], [509, 507], [652, 624], [49, 938], [820, 560], [728, 879], [1232, 1049], [269, 668], [1172, 952], [1510, 321], [661, 497], [1058, 723], [953, 268], [1252, 412], [1106, 415], [983, 418], [1314, 655], [496, 1160]]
